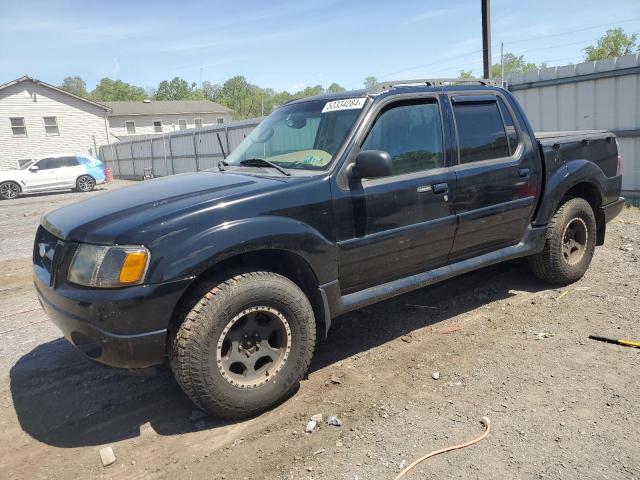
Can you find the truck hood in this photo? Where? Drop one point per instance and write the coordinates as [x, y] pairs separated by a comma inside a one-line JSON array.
[[124, 215]]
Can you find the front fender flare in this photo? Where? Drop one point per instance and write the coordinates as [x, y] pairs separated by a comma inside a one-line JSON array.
[[200, 252]]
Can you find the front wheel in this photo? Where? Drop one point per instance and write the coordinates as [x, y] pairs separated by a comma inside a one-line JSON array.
[[244, 344], [9, 190], [569, 246], [85, 183]]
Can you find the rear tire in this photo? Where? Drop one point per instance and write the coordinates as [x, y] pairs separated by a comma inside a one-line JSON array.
[[244, 345], [569, 246], [85, 183], [9, 190]]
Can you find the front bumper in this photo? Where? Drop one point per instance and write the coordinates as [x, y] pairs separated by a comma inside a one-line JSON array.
[[613, 209], [122, 328]]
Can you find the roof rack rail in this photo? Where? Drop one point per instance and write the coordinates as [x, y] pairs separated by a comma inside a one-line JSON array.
[[432, 82]]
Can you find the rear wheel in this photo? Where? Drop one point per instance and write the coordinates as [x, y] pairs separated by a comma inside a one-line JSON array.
[[85, 183], [570, 244], [244, 344], [9, 190]]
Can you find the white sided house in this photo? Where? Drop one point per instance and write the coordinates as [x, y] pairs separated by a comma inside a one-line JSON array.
[[38, 119], [148, 117]]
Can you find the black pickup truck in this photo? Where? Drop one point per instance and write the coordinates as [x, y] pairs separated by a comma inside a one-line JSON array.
[[332, 203]]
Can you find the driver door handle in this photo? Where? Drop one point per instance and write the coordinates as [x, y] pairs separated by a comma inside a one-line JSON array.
[[523, 172], [440, 188]]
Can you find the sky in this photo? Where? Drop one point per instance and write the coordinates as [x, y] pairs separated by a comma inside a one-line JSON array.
[[288, 45]]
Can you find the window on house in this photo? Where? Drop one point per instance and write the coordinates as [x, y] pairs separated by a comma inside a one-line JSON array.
[[197, 122], [157, 126], [220, 120], [411, 133], [18, 127], [131, 127], [51, 125], [481, 133], [182, 124]]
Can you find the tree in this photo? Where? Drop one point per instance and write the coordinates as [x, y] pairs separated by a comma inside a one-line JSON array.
[[75, 86], [465, 74], [109, 90], [514, 64], [335, 88], [614, 43], [176, 89], [370, 82]]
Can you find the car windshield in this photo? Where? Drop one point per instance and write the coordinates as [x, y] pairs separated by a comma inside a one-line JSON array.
[[27, 165], [303, 136]]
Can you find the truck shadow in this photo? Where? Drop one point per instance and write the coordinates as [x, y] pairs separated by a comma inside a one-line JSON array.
[[64, 401]]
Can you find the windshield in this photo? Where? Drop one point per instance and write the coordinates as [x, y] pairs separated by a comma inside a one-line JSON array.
[[27, 165], [302, 136]]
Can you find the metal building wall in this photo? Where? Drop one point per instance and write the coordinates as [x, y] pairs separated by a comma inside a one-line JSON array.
[[177, 152], [594, 95]]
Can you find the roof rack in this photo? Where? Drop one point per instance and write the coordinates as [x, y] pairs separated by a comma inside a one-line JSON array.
[[433, 82]]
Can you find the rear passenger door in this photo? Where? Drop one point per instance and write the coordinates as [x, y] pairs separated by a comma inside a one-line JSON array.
[[69, 171], [498, 175]]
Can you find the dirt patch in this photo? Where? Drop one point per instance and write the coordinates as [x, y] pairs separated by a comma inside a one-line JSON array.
[[505, 345]]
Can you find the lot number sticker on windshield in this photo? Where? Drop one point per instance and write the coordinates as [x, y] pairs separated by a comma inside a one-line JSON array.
[[344, 104]]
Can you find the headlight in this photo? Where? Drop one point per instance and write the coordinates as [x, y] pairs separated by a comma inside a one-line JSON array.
[[116, 266]]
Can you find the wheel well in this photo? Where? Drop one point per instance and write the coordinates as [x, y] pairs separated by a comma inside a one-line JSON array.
[[591, 193], [282, 262], [12, 181]]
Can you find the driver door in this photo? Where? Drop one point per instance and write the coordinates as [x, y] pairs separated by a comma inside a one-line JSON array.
[[396, 226], [45, 176]]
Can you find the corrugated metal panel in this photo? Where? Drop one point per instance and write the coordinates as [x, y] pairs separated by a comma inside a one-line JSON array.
[[179, 152], [594, 95]]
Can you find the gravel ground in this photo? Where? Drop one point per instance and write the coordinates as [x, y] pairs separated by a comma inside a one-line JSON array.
[[506, 346]]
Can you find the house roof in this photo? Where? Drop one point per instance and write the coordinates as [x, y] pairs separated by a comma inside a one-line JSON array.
[[165, 107], [26, 78]]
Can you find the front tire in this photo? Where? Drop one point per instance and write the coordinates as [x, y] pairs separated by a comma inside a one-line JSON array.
[[244, 345], [9, 190], [569, 246], [85, 183]]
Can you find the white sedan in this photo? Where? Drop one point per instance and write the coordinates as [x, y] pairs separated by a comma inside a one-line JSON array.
[[54, 172]]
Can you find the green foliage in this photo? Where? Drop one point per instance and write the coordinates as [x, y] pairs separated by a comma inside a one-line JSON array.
[[614, 43], [109, 90], [465, 74], [335, 88], [370, 82], [514, 64], [75, 86], [176, 89], [244, 98]]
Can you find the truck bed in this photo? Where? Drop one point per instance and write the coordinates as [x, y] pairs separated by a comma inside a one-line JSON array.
[[597, 146]]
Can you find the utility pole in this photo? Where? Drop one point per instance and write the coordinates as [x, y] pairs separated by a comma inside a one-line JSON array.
[[486, 37], [502, 64]]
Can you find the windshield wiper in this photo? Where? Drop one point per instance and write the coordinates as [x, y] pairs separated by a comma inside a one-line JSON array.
[[261, 162]]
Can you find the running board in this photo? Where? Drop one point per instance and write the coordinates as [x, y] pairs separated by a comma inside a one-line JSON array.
[[336, 304]]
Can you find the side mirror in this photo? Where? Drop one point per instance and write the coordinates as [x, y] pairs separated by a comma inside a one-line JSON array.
[[373, 164], [35, 168]]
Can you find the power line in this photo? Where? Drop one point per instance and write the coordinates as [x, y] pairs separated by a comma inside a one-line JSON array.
[[574, 31], [475, 52]]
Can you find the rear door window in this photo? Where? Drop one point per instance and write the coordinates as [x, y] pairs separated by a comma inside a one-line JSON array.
[[512, 134], [481, 131]]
